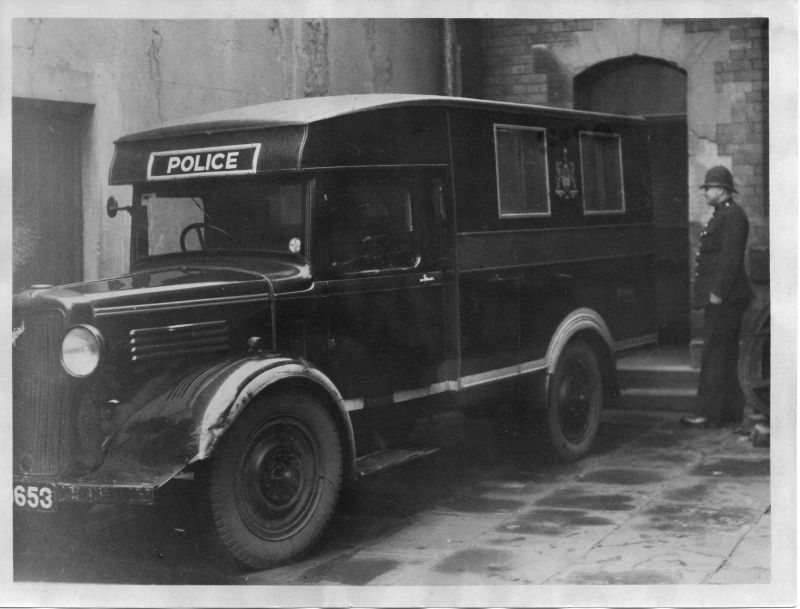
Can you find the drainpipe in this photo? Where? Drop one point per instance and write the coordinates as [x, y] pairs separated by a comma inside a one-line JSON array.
[[452, 60]]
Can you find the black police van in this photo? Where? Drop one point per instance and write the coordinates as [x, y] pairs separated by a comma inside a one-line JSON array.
[[307, 277]]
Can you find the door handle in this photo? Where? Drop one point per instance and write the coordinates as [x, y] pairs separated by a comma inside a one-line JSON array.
[[426, 278]]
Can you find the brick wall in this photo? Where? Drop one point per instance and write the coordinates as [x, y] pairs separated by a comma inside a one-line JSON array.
[[744, 138], [518, 65], [743, 77]]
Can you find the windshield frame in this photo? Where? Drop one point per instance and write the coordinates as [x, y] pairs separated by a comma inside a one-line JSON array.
[[139, 229]]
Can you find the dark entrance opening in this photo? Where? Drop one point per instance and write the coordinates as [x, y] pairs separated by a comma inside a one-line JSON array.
[[655, 89], [46, 185]]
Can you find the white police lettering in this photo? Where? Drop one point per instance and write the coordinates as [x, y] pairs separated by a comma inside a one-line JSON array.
[[223, 160], [200, 163]]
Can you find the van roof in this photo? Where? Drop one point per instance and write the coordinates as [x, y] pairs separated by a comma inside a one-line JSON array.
[[312, 109]]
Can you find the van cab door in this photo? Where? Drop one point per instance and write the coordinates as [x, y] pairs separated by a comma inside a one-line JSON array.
[[378, 244]]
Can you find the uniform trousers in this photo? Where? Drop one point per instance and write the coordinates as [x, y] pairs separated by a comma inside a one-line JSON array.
[[719, 394]]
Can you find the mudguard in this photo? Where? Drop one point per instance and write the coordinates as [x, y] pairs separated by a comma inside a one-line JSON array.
[[582, 321], [578, 320], [182, 417]]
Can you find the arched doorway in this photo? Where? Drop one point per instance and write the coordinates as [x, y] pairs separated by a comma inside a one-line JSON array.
[[655, 89]]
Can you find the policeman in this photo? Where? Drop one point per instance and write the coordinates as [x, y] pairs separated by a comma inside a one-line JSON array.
[[722, 289]]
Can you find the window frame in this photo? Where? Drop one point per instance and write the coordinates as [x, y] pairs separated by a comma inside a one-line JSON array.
[[411, 206], [605, 135], [140, 222], [514, 215]]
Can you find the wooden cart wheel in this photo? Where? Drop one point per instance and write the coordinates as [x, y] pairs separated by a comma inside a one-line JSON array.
[[754, 362]]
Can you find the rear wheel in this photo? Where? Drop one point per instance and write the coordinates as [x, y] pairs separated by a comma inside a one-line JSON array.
[[754, 362], [275, 480], [574, 401]]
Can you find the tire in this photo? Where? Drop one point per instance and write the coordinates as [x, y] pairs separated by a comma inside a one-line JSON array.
[[574, 401], [274, 482], [754, 363]]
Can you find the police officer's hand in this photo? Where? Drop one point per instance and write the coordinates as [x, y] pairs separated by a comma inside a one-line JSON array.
[[714, 299]]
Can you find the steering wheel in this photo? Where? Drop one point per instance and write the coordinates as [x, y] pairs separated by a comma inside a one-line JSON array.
[[200, 228]]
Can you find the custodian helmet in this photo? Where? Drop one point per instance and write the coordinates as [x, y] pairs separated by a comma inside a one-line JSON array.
[[719, 176]]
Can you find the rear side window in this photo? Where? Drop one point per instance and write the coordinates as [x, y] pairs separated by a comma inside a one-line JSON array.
[[601, 165], [522, 182]]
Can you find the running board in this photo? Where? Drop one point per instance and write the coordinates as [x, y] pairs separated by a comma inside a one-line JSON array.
[[378, 461]]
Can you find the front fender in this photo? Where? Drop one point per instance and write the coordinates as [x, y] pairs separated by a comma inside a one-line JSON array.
[[183, 415], [247, 381]]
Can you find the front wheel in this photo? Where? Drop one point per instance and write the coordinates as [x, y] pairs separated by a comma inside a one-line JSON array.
[[574, 401], [274, 482]]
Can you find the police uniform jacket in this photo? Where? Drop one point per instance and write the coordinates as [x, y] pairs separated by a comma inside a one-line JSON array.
[[720, 260]]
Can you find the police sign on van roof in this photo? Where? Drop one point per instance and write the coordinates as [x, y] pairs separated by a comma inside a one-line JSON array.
[[203, 162]]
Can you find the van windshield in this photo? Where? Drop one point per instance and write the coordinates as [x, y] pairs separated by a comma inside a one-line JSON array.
[[246, 215]]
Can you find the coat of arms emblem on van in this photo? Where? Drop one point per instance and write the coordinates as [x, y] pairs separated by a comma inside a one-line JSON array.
[[566, 185]]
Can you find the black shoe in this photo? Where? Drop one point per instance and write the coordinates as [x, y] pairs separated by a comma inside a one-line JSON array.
[[695, 422]]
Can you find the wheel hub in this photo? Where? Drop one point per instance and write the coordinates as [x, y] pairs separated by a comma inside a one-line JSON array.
[[279, 489], [574, 401], [282, 478]]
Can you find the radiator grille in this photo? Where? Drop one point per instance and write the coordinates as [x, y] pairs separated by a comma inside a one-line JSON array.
[[174, 341], [41, 430]]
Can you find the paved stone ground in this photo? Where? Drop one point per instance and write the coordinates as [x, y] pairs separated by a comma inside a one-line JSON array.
[[653, 504]]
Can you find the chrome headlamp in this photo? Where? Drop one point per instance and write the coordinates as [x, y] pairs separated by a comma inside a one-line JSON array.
[[80, 350]]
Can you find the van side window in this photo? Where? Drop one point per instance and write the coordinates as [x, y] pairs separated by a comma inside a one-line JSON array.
[[522, 181], [601, 168], [370, 225]]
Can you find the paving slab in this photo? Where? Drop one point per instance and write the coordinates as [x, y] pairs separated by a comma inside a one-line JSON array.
[[749, 560]]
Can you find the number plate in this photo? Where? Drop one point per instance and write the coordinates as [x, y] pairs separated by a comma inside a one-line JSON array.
[[39, 497]]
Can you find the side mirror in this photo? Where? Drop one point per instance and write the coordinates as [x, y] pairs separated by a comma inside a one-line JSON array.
[[112, 207]]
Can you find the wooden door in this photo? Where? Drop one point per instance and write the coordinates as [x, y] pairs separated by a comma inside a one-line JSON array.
[[46, 183], [668, 145]]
